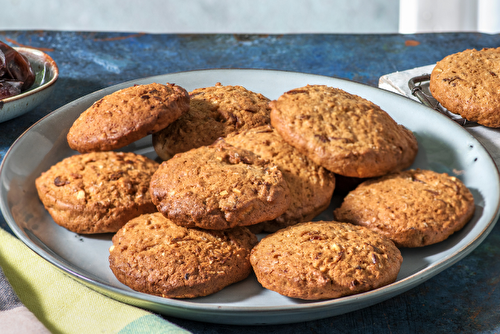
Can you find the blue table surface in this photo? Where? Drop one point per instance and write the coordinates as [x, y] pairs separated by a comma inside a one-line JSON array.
[[465, 298]]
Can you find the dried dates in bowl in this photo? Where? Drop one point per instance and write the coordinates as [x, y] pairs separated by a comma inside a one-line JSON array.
[[16, 73]]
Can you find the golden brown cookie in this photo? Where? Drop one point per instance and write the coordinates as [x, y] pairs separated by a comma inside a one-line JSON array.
[[151, 254], [466, 83], [344, 133], [325, 259], [219, 187], [215, 112], [311, 186], [127, 115], [414, 208], [97, 192]]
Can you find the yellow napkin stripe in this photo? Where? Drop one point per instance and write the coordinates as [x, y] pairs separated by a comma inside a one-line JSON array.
[[62, 304]]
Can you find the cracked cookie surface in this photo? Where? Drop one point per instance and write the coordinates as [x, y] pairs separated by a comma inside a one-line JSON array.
[[214, 112], [325, 259], [344, 133], [311, 186], [97, 192], [127, 115], [414, 208], [151, 254], [219, 187], [467, 83]]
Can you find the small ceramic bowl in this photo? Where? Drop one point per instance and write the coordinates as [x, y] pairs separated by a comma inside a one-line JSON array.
[[46, 72]]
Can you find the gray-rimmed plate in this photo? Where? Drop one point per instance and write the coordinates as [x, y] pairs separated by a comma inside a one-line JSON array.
[[46, 72], [443, 146]]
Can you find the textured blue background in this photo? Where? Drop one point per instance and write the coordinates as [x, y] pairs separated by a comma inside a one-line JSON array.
[[463, 299]]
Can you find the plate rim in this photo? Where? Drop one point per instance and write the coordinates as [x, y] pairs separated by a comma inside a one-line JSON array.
[[393, 288]]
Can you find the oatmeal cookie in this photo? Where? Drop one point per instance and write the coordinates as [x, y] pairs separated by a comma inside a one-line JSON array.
[[215, 112], [219, 187], [151, 254], [97, 192], [126, 116], [325, 259], [414, 208], [467, 83], [344, 133]]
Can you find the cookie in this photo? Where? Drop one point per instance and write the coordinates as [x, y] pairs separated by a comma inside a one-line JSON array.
[[219, 187], [151, 254], [97, 192], [344, 133], [126, 116], [324, 260], [311, 186], [414, 208], [466, 83], [215, 112]]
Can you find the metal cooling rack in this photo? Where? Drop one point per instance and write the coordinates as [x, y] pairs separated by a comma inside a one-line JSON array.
[[419, 87]]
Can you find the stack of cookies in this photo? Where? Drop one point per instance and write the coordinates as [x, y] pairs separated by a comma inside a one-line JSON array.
[[236, 164]]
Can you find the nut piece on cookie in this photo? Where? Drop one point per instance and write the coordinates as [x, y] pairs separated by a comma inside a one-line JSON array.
[[344, 133], [151, 254], [413, 208], [311, 186], [219, 187], [215, 112], [324, 260], [126, 116], [97, 192], [467, 83]]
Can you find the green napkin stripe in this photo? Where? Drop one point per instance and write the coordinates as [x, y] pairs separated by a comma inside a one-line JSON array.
[[151, 324]]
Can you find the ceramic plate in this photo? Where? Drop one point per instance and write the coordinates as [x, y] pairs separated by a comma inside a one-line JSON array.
[[443, 146], [46, 72]]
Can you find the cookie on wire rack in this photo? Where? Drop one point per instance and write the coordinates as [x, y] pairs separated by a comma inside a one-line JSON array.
[[467, 83]]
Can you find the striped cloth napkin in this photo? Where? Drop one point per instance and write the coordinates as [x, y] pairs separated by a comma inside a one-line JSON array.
[[35, 297]]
